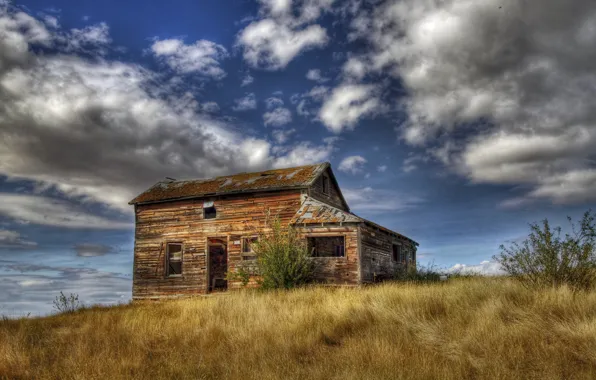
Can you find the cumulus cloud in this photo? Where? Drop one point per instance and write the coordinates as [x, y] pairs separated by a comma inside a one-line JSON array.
[[281, 136], [274, 102], [486, 268], [248, 79], [352, 164], [371, 200], [248, 102], [13, 239], [284, 31], [315, 75], [203, 57], [277, 117], [210, 107], [346, 105], [507, 84], [305, 153], [382, 168], [101, 131]]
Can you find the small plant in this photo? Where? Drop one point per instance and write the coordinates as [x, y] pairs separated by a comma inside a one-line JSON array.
[[64, 304], [242, 274], [283, 257], [547, 259]]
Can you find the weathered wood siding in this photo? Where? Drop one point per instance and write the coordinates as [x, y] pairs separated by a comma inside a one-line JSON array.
[[377, 253], [333, 198], [337, 270], [182, 221]]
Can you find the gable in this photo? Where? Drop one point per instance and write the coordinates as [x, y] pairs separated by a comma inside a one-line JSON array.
[[326, 189]]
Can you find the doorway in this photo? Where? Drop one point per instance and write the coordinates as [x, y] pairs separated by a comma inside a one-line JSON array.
[[218, 264]]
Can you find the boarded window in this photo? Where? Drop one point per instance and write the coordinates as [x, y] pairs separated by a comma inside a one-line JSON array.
[[174, 259], [325, 184], [332, 246], [209, 212], [247, 250]]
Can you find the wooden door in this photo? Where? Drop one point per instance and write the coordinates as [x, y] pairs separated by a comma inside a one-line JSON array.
[[218, 264]]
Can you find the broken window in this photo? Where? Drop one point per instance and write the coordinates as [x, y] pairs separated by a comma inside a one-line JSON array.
[[247, 252], [325, 184], [209, 211], [173, 259], [332, 246]]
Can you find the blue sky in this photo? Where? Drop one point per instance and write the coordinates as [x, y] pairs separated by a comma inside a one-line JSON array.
[[455, 123]]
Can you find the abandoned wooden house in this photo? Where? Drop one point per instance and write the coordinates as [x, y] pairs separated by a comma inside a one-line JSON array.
[[188, 234]]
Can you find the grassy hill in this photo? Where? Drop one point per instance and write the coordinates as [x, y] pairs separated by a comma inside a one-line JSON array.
[[464, 329]]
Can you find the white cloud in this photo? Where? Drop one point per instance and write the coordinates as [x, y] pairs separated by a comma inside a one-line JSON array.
[[371, 200], [53, 212], [281, 136], [505, 65], [248, 79], [13, 239], [352, 164], [283, 33], [29, 288], [354, 68], [382, 168], [93, 36], [315, 75], [305, 153], [277, 117], [210, 107], [248, 102], [100, 131], [203, 57], [486, 268], [346, 105], [274, 102]]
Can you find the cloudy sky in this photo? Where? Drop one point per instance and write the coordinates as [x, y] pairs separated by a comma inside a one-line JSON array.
[[455, 122]]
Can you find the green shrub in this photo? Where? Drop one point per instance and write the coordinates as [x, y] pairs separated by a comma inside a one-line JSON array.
[[283, 257], [547, 259]]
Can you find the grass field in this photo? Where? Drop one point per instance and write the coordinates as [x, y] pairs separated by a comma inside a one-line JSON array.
[[475, 328]]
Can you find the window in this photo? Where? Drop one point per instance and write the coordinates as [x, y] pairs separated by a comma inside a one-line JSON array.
[[209, 211], [397, 253], [247, 252], [332, 246], [173, 259], [325, 184]]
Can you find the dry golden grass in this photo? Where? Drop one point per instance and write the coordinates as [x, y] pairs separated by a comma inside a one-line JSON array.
[[464, 329]]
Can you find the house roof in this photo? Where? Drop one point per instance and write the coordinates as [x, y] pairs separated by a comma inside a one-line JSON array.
[[313, 211], [276, 179]]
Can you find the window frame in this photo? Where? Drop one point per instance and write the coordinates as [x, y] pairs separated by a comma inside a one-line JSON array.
[[247, 255], [167, 273], [343, 236], [205, 213], [325, 189]]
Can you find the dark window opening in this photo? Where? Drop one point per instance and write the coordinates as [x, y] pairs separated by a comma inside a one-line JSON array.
[[173, 259], [247, 250], [333, 246], [325, 184], [209, 212], [396, 252]]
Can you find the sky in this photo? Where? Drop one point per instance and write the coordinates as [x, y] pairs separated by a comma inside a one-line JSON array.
[[453, 122]]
